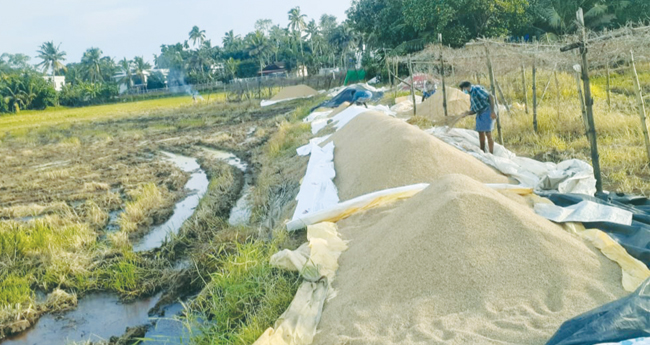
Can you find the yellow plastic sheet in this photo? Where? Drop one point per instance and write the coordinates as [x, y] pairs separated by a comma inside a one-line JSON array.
[[317, 262], [635, 272]]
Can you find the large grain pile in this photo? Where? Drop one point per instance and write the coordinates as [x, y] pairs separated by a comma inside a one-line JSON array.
[[298, 91], [461, 264], [432, 108], [375, 152]]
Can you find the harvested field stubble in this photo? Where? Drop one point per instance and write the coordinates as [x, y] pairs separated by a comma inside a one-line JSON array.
[[460, 263]]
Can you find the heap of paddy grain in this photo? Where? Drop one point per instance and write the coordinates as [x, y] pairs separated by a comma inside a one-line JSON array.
[[432, 108], [460, 263], [375, 152], [291, 92]]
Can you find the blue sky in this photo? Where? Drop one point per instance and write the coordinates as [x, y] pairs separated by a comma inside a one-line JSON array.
[[128, 28]]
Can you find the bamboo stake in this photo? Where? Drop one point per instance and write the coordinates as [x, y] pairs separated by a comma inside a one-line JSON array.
[[609, 91], [523, 80], [390, 80], [589, 101], [493, 89], [639, 95], [535, 94], [582, 104], [505, 103], [557, 93], [412, 87], [442, 73]]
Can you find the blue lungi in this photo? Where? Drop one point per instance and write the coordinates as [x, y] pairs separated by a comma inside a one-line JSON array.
[[484, 122]]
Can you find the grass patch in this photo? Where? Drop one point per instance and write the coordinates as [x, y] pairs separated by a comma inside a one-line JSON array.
[[244, 297], [14, 290], [287, 138], [144, 200]]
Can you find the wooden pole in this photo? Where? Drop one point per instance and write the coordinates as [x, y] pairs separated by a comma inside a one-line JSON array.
[[609, 91], [639, 96], [557, 93], [396, 74], [582, 104], [442, 73], [412, 85], [535, 94], [390, 79], [494, 92], [589, 101], [523, 80], [503, 98]]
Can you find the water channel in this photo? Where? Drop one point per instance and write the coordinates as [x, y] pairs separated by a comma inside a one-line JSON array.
[[99, 316]]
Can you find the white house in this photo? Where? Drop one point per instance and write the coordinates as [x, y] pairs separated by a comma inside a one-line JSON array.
[[57, 80], [123, 87]]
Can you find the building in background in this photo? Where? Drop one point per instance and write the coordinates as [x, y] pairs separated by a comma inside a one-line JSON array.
[[57, 80]]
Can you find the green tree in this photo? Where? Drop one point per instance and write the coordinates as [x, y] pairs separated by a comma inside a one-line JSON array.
[[263, 25], [92, 65], [14, 95], [258, 47], [231, 67], [126, 66], [52, 57], [558, 16], [140, 69], [297, 25], [197, 35]]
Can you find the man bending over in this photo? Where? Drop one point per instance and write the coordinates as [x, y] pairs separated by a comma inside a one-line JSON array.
[[482, 105]]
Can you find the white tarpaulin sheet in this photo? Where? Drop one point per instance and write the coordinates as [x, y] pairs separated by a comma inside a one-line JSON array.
[[317, 114], [306, 149], [585, 211], [317, 262], [336, 212], [341, 119], [570, 176], [638, 341], [317, 190], [266, 103]]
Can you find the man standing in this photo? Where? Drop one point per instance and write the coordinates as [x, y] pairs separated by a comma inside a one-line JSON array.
[[483, 106]]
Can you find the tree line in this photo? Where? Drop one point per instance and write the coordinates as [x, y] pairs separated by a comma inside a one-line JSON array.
[[372, 28], [408, 25]]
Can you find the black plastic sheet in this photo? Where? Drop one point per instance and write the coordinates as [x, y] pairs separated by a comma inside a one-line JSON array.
[[626, 318]]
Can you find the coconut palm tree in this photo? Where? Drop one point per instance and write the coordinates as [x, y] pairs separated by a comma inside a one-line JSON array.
[[559, 15], [313, 31], [258, 46], [125, 66], [92, 65], [15, 96], [231, 66], [297, 24], [229, 39], [277, 35], [52, 57], [141, 67], [197, 35]]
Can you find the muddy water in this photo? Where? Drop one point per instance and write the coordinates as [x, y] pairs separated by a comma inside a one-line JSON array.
[[169, 330], [197, 184], [97, 317], [240, 214], [100, 316]]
